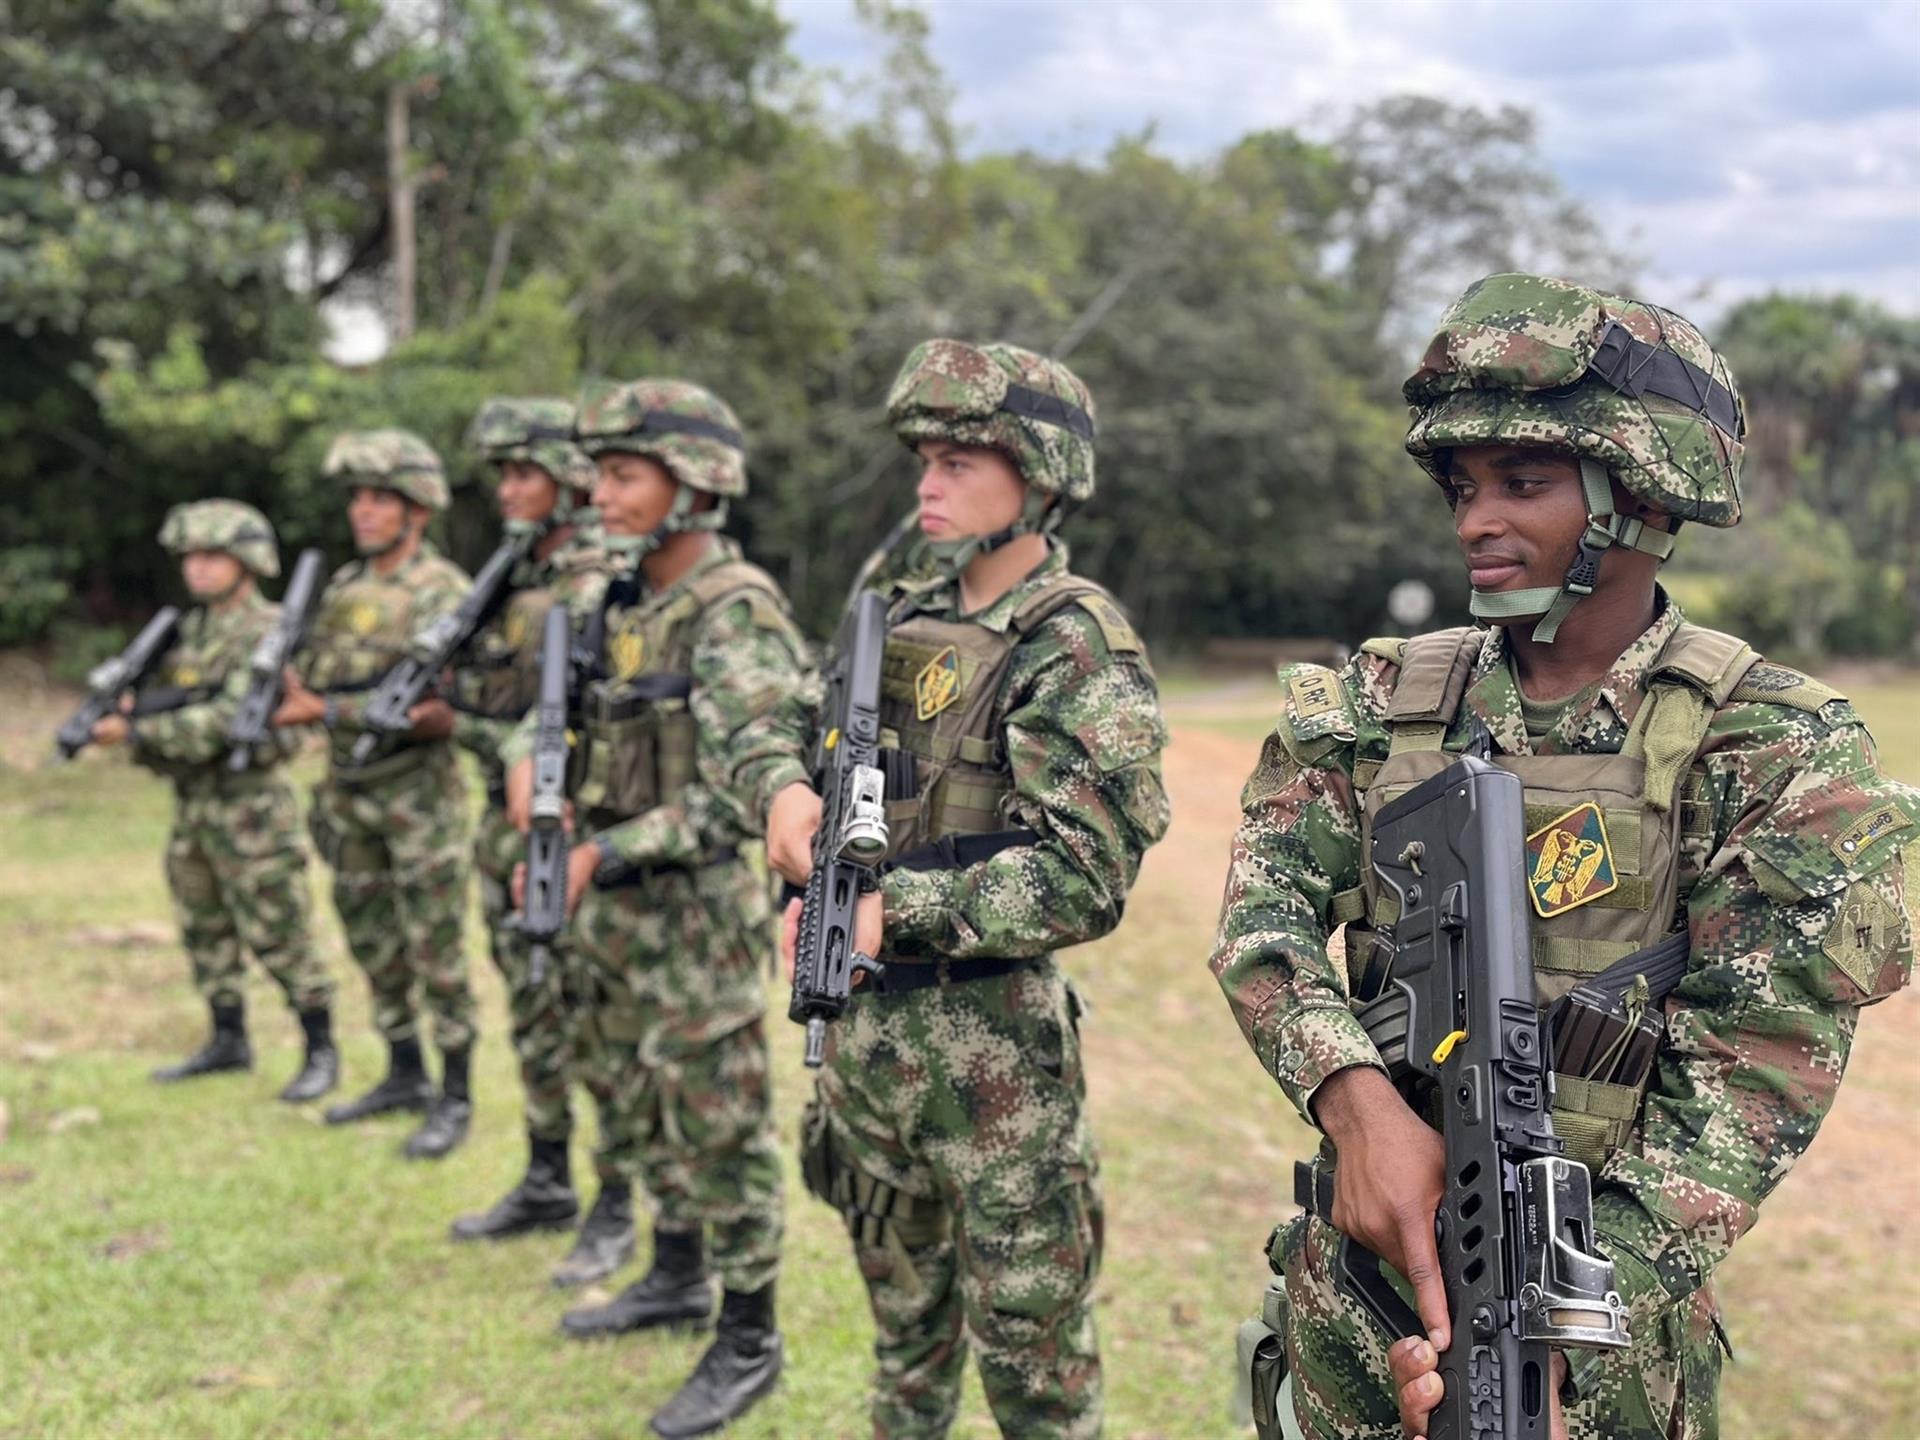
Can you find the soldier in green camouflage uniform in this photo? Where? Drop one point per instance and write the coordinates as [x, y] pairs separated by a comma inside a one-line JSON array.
[[234, 860], [949, 1127], [1705, 791], [395, 828], [691, 646], [543, 480]]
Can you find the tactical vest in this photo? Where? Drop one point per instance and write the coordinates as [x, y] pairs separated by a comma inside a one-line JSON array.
[[941, 699], [191, 673], [498, 678], [1627, 813], [638, 737], [363, 629]]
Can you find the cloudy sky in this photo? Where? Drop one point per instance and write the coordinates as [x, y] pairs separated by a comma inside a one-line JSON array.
[[1741, 144]]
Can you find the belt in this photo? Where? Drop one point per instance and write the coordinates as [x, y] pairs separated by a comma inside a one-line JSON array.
[[903, 976], [619, 876]]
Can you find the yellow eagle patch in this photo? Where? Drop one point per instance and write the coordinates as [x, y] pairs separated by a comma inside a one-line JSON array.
[[938, 684], [1570, 862], [626, 653]]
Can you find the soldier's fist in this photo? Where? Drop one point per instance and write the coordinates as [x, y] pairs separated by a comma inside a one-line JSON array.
[[792, 819]]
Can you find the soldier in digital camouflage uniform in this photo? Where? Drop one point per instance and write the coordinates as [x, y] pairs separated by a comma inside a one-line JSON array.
[[543, 480], [1706, 791], [234, 861], [691, 647], [395, 828], [949, 1127]]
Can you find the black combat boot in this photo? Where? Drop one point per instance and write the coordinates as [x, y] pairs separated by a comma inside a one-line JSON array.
[[405, 1088], [674, 1291], [739, 1367], [605, 1242], [320, 1071], [226, 1048], [543, 1200], [446, 1123]]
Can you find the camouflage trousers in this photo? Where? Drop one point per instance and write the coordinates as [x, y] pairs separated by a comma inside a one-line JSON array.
[[971, 1100], [1666, 1387], [399, 854], [671, 1046], [238, 877]]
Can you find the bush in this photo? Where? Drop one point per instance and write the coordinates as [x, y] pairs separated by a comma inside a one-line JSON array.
[[33, 587]]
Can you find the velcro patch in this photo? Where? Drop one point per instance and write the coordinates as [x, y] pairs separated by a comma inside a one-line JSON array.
[[1863, 934], [1114, 629], [1887, 820], [1314, 692], [1569, 862]]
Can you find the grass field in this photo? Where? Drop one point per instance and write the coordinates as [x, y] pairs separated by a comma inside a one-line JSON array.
[[199, 1260]]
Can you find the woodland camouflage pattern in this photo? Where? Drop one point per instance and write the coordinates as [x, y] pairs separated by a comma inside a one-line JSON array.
[[971, 1096], [396, 460], [667, 969], [1507, 364], [226, 525], [534, 430], [949, 390], [235, 866], [1798, 911], [613, 420]]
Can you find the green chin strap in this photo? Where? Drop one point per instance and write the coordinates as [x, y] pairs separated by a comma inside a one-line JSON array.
[[1037, 517], [1605, 528], [566, 509], [681, 519]]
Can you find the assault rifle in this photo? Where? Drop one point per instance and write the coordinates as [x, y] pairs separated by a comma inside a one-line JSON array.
[[111, 679], [266, 684], [432, 650], [852, 838], [544, 914], [1516, 1223]]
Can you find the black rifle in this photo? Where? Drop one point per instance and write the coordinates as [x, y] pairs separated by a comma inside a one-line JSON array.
[[544, 915], [432, 650], [852, 838], [1516, 1223], [111, 679], [266, 685]]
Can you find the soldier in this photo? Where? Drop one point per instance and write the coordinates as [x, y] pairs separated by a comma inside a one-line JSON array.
[[949, 1124], [234, 863], [543, 481], [395, 828], [691, 647], [1676, 783]]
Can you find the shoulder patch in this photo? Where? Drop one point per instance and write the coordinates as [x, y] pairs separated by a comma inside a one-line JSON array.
[[1313, 693], [1392, 648], [1768, 683], [1317, 709], [1115, 628], [1887, 820], [1864, 933]]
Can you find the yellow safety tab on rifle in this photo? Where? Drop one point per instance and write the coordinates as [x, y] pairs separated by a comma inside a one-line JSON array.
[[1445, 1047], [833, 739]]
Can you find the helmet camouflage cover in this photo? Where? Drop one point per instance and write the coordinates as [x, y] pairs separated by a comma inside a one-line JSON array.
[[536, 430], [686, 428], [230, 526], [1031, 409], [396, 460], [1528, 360]]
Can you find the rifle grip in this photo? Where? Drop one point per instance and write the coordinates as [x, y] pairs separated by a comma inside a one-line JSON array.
[[1357, 1271]]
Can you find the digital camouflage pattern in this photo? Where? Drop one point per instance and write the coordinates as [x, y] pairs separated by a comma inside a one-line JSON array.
[[395, 831], [234, 863], [1797, 886], [225, 525], [639, 418], [950, 390], [666, 961], [1509, 365], [972, 1095], [396, 460], [536, 430], [495, 683]]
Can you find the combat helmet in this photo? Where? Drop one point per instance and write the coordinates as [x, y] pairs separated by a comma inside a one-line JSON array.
[[1030, 408], [687, 429], [230, 526], [1631, 391], [539, 431], [396, 460]]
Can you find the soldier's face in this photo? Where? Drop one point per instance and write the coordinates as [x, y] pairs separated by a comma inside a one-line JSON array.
[[633, 494], [210, 574], [966, 490], [527, 492], [378, 518]]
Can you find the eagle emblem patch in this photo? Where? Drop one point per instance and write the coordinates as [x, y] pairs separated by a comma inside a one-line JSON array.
[[938, 684], [364, 617], [1569, 862]]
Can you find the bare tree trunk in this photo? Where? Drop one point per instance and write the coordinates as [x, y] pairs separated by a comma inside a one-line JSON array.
[[400, 188], [497, 264]]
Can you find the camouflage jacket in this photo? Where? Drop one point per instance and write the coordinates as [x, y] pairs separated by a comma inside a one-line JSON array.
[[1759, 1028], [506, 649], [1082, 735], [207, 667], [745, 662]]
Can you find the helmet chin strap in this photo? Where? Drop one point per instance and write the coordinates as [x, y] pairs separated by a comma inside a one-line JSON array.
[[1605, 528], [1037, 517], [681, 518]]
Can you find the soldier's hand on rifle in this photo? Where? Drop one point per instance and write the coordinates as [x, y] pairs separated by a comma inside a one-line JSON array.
[[869, 931], [1389, 1183], [111, 730], [1417, 1388], [298, 705], [582, 861], [430, 720], [792, 819], [520, 796]]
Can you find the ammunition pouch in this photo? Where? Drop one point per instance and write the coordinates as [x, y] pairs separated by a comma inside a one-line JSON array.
[[640, 745], [1260, 1368], [877, 1215]]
